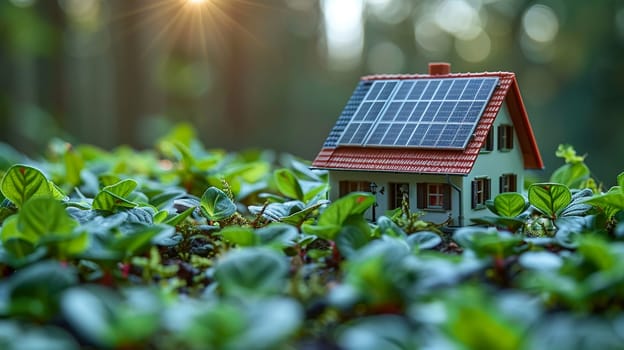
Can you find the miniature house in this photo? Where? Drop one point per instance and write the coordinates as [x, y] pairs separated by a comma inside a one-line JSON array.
[[447, 142]]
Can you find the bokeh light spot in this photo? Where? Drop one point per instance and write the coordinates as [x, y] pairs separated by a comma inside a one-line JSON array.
[[540, 23], [474, 50], [386, 57]]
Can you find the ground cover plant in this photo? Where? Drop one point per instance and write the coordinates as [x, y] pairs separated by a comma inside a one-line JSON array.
[[183, 247]]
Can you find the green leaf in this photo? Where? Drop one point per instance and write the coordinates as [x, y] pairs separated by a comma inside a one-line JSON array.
[[22, 182], [333, 217], [355, 203], [572, 175], [252, 272], [424, 240], [242, 236], [113, 196], [350, 239], [549, 198], [288, 184], [216, 205], [277, 234], [11, 230], [73, 166], [176, 220], [510, 204], [44, 216]]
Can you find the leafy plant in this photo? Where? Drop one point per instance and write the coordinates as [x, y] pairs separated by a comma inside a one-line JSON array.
[[186, 247]]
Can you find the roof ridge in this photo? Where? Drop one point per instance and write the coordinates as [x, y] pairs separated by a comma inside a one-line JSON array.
[[428, 76]]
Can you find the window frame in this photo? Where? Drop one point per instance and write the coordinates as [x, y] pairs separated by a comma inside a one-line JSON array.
[[505, 137], [439, 191], [348, 186], [508, 183], [481, 192]]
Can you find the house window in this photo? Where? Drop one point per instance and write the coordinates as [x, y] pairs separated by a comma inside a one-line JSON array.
[[508, 183], [505, 137], [346, 187], [480, 192], [488, 144], [433, 196], [397, 191]]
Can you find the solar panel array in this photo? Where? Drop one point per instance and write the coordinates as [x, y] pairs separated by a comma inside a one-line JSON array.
[[420, 113]]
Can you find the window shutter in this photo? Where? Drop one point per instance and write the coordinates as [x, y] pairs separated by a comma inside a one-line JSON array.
[[513, 179], [474, 194], [499, 134], [343, 188], [487, 183], [510, 132], [421, 195], [489, 143], [447, 197], [501, 181]]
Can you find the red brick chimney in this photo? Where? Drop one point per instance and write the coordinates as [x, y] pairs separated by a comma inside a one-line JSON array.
[[439, 68]]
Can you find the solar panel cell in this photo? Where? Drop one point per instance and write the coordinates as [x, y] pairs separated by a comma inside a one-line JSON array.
[[392, 134], [405, 112], [417, 91], [404, 90], [430, 90]]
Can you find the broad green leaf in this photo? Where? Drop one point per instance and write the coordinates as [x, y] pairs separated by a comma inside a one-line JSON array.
[[14, 241], [510, 204], [277, 234], [350, 239], [216, 205], [355, 203], [572, 175], [611, 202], [252, 272], [288, 184], [424, 240], [487, 242], [11, 230], [242, 236], [44, 216], [73, 166], [620, 180], [35, 289], [115, 196], [549, 198], [333, 217], [22, 182]]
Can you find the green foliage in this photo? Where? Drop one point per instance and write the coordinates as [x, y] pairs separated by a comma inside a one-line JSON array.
[[115, 196], [190, 248], [549, 198], [330, 221], [23, 182], [216, 205], [574, 173]]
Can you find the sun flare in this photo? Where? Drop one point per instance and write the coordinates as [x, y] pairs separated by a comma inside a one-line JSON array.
[[201, 27]]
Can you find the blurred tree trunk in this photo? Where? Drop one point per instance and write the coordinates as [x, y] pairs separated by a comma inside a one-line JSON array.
[[130, 77], [236, 66]]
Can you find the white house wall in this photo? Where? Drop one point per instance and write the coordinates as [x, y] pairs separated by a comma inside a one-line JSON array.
[[494, 164]]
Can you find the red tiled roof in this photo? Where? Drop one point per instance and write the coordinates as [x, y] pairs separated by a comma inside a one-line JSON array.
[[432, 161]]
